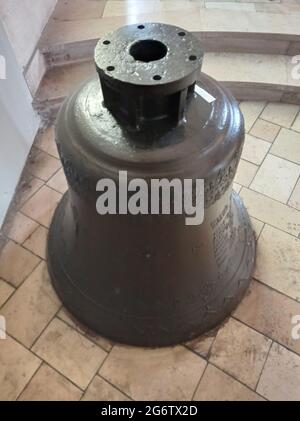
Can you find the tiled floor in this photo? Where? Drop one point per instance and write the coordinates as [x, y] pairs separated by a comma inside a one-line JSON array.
[[106, 8], [253, 356], [121, 7]]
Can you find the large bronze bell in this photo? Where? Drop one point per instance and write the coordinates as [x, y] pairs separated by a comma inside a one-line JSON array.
[[150, 279]]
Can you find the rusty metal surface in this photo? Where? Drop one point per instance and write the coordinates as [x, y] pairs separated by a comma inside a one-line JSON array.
[[150, 280]]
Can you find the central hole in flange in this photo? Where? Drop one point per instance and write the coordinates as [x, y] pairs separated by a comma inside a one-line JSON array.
[[148, 50]]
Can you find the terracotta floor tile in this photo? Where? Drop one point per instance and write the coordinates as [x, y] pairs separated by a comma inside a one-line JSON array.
[[245, 173], [223, 5], [104, 343], [37, 242], [265, 130], [181, 5], [100, 390], [246, 68], [255, 149], [237, 187], [203, 344], [46, 142], [6, 291], [270, 313], [121, 8], [296, 125], [42, 165], [70, 10], [251, 111], [295, 197], [19, 227], [277, 261], [26, 189], [287, 145], [32, 307], [48, 385], [42, 205], [17, 366], [271, 212], [16, 263], [59, 81], [240, 351], [154, 374], [69, 352], [281, 114], [281, 374], [268, 6], [276, 178], [58, 182], [216, 385], [257, 226]]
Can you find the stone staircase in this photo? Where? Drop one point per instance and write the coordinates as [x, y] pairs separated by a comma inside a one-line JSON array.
[[250, 52]]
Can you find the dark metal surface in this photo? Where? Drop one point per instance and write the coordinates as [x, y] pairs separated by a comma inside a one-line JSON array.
[[145, 72], [150, 280]]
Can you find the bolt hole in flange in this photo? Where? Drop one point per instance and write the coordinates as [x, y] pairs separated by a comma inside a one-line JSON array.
[[157, 77], [148, 50], [181, 34], [141, 27], [192, 58], [110, 68]]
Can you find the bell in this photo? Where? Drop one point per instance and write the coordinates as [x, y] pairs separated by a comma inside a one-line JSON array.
[[125, 268]]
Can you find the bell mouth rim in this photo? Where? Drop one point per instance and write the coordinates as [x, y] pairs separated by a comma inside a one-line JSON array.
[[107, 323]]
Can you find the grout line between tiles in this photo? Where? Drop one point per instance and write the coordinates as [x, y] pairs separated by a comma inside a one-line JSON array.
[[295, 118], [25, 248], [45, 181], [44, 363], [10, 296], [298, 180], [34, 373], [279, 229], [279, 125], [276, 290], [285, 159], [42, 225], [116, 387], [267, 154], [265, 335], [234, 378], [83, 333], [268, 197], [276, 227], [251, 127], [97, 371], [48, 363], [268, 353], [19, 208], [198, 384], [46, 326], [29, 274], [30, 235]]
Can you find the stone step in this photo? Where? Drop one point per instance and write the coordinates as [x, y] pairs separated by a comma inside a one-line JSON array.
[[248, 76], [68, 37]]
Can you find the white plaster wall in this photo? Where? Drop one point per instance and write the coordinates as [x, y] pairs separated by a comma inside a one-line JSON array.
[[18, 122], [21, 25], [24, 21]]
